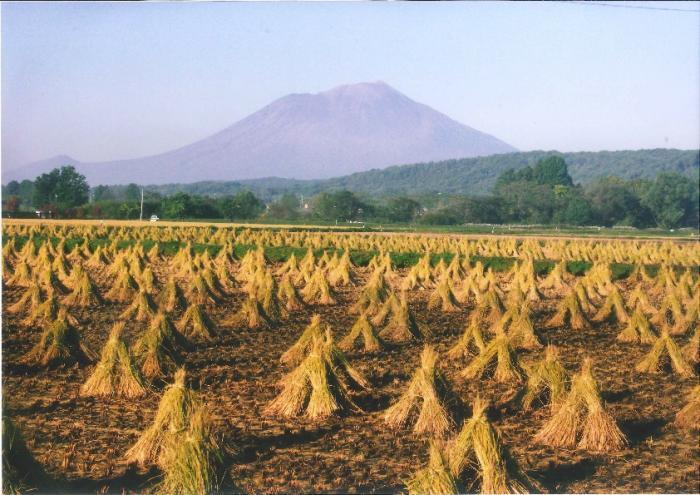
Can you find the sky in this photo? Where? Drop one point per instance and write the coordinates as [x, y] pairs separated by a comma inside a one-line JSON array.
[[105, 81]]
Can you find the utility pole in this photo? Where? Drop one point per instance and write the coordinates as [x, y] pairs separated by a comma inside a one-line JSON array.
[[141, 214]]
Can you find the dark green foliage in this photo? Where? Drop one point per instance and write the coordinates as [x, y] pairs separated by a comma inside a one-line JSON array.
[[552, 171], [181, 205], [533, 188], [614, 202], [60, 189], [483, 209], [241, 206], [542, 195], [360, 258], [23, 190], [672, 200], [574, 209], [462, 176], [102, 193], [402, 209], [621, 270], [285, 208], [543, 267], [496, 263], [132, 192], [478, 175], [444, 216], [576, 268], [11, 189], [527, 202], [341, 206]]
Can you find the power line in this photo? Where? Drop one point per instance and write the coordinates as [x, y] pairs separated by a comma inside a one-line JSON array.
[[623, 6]]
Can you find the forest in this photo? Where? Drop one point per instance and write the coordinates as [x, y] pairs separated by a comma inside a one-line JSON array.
[[467, 176], [545, 193]]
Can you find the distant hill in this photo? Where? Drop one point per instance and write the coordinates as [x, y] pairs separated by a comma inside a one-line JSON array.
[[347, 129], [473, 176]]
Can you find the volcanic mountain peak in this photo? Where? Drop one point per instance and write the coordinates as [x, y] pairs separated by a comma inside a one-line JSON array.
[[346, 129]]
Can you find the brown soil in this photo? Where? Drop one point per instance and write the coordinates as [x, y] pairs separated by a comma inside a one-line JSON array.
[[81, 441]]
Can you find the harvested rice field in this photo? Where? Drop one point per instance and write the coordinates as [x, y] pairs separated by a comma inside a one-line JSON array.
[[164, 359]]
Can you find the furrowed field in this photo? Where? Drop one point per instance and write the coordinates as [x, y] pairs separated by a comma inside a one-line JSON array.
[[192, 359]]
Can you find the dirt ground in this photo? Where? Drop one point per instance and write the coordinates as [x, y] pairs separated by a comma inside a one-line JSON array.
[[81, 441]]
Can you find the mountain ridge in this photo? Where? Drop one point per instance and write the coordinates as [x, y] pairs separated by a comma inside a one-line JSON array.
[[472, 176]]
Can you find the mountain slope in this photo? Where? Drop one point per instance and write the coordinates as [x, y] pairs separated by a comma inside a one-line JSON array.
[[306, 136], [473, 176]]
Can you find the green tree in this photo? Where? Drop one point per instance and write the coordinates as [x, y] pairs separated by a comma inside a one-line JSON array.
[[102, 193], [512, 175], [402, 209], [552, 171], [243, 205], [62, 187], [285, 208], [482, 210], [26, 191], [12, 188], [575, 211], [614, 203], [442, 216], [128, 209], [132, 192], [672, 200], [45, 188], [71, 189], [340, 205], [527, 202], [176, 206]]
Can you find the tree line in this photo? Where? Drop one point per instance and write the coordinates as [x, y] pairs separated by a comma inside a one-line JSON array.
[[546, 194], [543, 193], [466, 176]]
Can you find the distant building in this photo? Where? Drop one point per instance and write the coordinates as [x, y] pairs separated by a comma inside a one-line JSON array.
[[44, 213]]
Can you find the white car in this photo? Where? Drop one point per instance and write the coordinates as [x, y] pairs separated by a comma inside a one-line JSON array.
[[154, 218]]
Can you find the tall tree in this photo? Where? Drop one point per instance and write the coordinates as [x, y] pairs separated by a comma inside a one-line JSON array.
[[102, 193], [132, 192], [527, 202], [403, 209], [26, 191], [243, 205], [63, 187], [45, 189], [12, 188], [286, 207], [673, 201], [340, 205], [482, 209], [71, 188], [176, 206], [552, 171], [614, 203]]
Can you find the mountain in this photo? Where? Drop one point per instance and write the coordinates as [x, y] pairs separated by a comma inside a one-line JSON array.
[[472, 176], [31, 170], [344, 130]]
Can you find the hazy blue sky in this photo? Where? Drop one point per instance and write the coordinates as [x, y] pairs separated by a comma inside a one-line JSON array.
[[105, 81]]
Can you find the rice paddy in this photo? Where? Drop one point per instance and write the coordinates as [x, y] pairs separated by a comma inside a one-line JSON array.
[[203, 359]]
